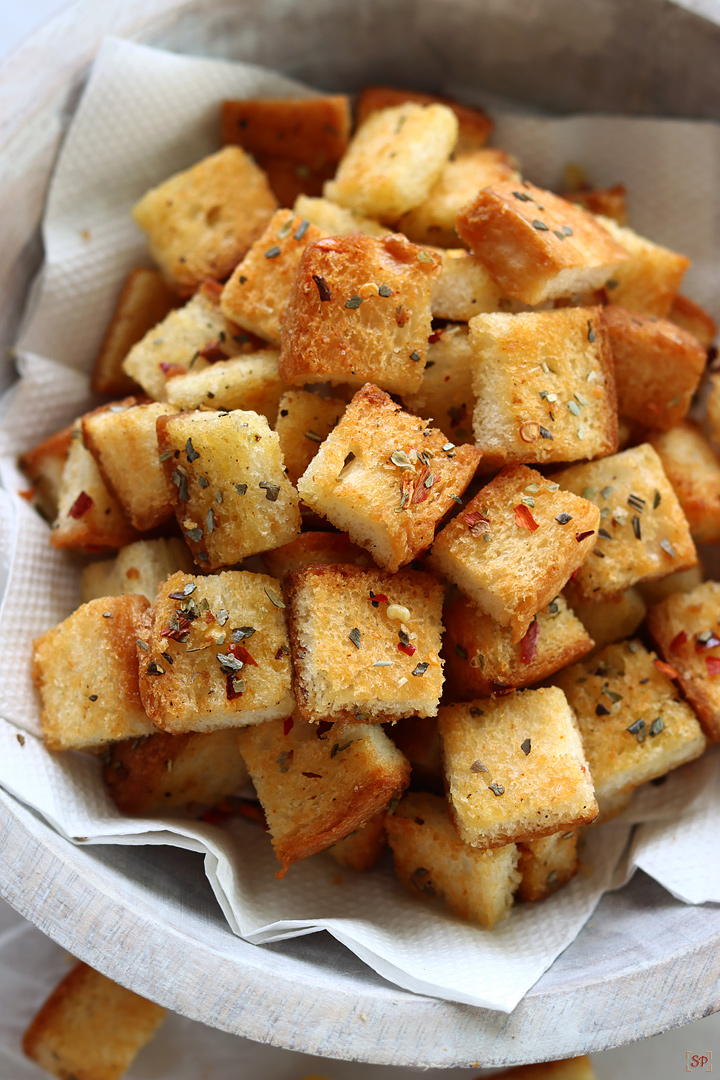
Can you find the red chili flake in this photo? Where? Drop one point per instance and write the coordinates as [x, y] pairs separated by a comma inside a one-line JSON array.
[[212, 351], [209, 617], [288, 725], [182, 630], [171, 370], [401, 316], [421, 489], [708, 643], [379, 597], [282, 651], [82, 504], [529, 644], [215, 816], [678, 641], [323, 728], [251, 812], [230, 690], [313, 775], [477, 523], [669, 670], [28, 494], [712, 663], [498, 689], [409, 650], [241, 653], [524, 519], [584, 535], [435, 336]]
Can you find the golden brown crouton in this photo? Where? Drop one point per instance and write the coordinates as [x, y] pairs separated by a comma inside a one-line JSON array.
[[336, 220], [249, 382], [138, 570], [90, 1028], [649, 279], [386, 478], [543, 386], [713, 406], [362, 848], [214, 653], [612, 619], [643, 532], [432, 860], [632, 723], [200, 222], [684, 581], [536, 245], [315, 548], [465, 288], [359, 310], [515, 768], [657, 366], [226, 480], [446, 393], [693, 469], [514, 546], [689, 316], [419, 740], [145, 301], [86, 670], [317, 785], [377, 658], [686, 627], [610, 202], [474, 126], [304, 420], [481, 658], [43, 466], [547, 864]]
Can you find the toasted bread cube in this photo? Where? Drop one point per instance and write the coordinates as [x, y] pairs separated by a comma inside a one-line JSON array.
[[543, 385], [432, 860], [336, 220], [362, 848], [474, 126], [386, 478], [657, 366], [571, 1069], [86, 670], [446, 393], [145, 301], [226, 479], [217, 653], [632, 723], [376, 659], [139, 570], [649, 280], [88, 516], [612, 619], [359, 310], [394, 159], [515, 768], [304, 421], [514, 546], [44, 466], [90, 1028], [465, 288], [536, 245], [146, 776], [256, 295], [317, 787], [201, 222], [249, 382], [419, 740], [689, 316], [684, 581], [687, 630], [122, 438], [693, 469], [547, 864], [713, 407], [610, 202], [643, 532], [315, 548], [433, 221], [481, 658]]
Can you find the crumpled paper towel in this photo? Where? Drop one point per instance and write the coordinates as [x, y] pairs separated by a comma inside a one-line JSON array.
[[144, 115]]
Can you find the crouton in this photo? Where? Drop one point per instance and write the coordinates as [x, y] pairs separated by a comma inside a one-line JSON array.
[[86, 670], [336, 220], [201, 222], [256, 295], [147, 776], [610, 202], [394, 159], [249, 382], [571, 1069], [632, 723], [536, 245], [612, 619], [43, 466], [689, 316], [481, 658], [138, 570], [122, 438], [304, 421], [649, 279], [713, 406], [515, 768], [359, 310], [474, 126], [431, 860], [312, 549], [433, 221], [643, 532], [362, 848], [317, 785], [465, 288], [203, 667], [543, 386], [446, 393], [693, 469], [89, 517], [514, 546], [145, 301], [547, 864], [377, 658], [684, 581], [657, 366], [687, 630], [419, 740], [90, 1028], [226, 480]]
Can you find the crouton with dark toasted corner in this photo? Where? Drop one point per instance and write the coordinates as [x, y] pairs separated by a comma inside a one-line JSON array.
[[377, 659], [474, 126], [643, 532], [228, 485], [481, 658], [304, 420], [249, 382], [612, 619], [201, 222], [394, 159], [431, 860], [145, 301], [465, 288], [536, 245], [693, 469], [318, 784], [610, 202], [214, 653], [689, 316], [336, 220], [44, 465], [543, 386], [514, 546], [90, 1028], [418, 738], [446, 393], [362, 848], [649, 279], [657, 366], [686, 627], [515, 768], [386, 478], [359, 311], [315, 548], [139, 569], [86, 670], [683, 581], [547, 864], [633, 725]]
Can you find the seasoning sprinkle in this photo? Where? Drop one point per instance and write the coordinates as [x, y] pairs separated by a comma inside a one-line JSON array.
[[497, 789], [636, 503], [601, 710], [241, 488], [415, 356], [540, 225], [638, 730], [656, 499], [190, 451], [525, 746], [243, 632], [273, 598], [271, 490], [210, 521], [475, 710], [155, 669], [322, 288], [301, 229], [656, 727], [667, 547], [420, 669], [584, 535], [195, 535], [522, 196], [272, 252], [313, 436], [400, 458], [574, 408], [545, 433], [636, 527], [424, 257], [604, 534], [385, 291], [461, 652], [563, 518], [478, 767], [143, 645], [383, 663], [591, 333], [354, 636]]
